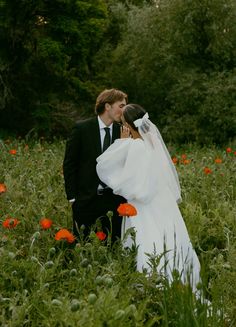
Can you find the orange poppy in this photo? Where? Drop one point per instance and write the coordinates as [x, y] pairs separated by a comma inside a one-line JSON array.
[[101, 236], [10, 222], [184, 156], [218, 160], [186, 161], [126, 209], [207, 170], [175, 160], [12, 151], [3, 188], [228, 150], [64, 234], [45, 223]]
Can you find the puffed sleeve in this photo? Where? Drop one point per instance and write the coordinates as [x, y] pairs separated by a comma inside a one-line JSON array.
[[126, 168]]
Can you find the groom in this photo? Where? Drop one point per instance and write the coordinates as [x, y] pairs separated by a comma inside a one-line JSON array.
[[91, 198]]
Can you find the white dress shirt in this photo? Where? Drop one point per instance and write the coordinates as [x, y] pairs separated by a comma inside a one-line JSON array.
[[102, 130], [102, 136]]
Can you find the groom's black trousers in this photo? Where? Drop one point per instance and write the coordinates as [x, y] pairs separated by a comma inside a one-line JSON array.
[[95, 210]]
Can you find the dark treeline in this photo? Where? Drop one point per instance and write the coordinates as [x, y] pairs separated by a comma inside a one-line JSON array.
[[177, 58]]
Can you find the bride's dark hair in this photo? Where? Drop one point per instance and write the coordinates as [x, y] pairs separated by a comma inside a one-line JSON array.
[[132, 112]]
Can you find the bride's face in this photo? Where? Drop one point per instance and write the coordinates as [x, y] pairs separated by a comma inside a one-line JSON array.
[[134, 133], [125, 123]]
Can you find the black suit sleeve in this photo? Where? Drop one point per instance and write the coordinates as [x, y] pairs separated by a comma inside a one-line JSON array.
[[71, 163]]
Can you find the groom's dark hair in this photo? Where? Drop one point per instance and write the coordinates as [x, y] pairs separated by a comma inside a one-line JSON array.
[[132, 112]]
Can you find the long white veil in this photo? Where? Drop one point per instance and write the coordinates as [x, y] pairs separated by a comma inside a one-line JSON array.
[[152, 137]]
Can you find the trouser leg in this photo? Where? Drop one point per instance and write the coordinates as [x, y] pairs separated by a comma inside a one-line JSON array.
[[97, 209]]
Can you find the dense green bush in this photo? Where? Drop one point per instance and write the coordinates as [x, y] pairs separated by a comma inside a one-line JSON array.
[[174, 57], [45, 61], [177, 59], [202, 108]]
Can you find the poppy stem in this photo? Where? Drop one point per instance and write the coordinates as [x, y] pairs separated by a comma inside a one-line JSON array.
[[32, 243], [123, 231]]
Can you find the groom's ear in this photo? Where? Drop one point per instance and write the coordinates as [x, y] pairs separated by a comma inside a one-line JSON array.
[[107, 106]]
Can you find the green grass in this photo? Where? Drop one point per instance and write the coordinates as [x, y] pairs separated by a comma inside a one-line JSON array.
[[44, 282]]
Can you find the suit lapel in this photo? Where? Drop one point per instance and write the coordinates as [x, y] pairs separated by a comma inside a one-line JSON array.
[[97, 137], [115, 131]]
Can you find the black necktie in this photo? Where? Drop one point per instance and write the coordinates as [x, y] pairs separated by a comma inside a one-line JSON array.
[[107, 139]]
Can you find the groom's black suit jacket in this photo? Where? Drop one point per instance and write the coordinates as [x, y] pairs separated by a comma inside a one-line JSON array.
[[79, 166]]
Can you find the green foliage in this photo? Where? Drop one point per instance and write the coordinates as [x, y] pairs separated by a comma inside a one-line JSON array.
[[46, 54], [47, 282], [202, 108], [174, 57], [177, 59]]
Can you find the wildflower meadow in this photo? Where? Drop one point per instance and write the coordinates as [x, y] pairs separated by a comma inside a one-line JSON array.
[[48, 279]]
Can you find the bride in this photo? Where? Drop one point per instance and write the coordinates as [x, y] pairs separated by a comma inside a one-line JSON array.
[[138, 167]]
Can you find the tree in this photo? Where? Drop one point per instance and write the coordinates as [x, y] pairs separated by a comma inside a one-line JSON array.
[[171, 56], [45, 59]]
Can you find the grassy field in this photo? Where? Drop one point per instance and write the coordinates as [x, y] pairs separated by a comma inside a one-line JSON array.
[[46, 282]]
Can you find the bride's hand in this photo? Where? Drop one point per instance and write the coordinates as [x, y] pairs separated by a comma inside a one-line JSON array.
[[124, 132]]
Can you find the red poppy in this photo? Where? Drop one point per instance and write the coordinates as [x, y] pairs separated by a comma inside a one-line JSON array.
[[3, 188], [207, 170], [218, 160], [228, 150], [10, 222], [184, 156], [126, 209], [101, 236], [64, 234], [12, 151], [45, 223], [175, 160]]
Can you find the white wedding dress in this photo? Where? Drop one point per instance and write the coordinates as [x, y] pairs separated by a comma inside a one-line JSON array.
[[131, 168]]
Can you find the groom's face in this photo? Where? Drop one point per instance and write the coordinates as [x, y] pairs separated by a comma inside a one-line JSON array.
[[116, 109]]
